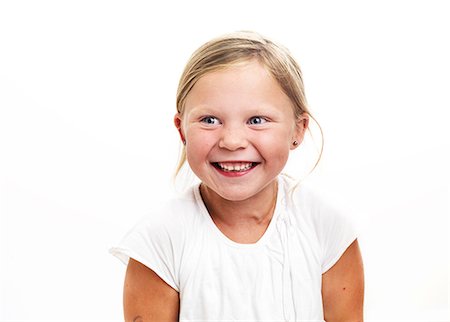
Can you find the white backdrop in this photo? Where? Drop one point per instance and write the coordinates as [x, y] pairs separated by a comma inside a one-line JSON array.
[[87, 92]]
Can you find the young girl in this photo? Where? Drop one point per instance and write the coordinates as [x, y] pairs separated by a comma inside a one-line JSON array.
[[247, 243]]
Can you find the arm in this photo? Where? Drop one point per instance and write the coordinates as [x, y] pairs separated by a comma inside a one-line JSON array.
[[343, 288], [147, 297]]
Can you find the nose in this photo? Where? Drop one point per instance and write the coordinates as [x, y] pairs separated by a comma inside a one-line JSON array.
[[233, 138]]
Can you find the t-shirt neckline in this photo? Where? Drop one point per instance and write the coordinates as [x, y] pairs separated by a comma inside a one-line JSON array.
[[266, 235]]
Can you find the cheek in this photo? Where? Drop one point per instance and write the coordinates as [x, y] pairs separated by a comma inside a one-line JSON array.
[[275, 147], [198, 145], [282, 137]]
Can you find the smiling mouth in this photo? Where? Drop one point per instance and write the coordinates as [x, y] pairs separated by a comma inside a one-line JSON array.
[[234, 166]]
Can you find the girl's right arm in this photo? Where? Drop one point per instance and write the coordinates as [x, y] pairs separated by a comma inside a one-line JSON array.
[[147, 297]]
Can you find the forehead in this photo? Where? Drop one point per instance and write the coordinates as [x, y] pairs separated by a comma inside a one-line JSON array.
[[244, 84]]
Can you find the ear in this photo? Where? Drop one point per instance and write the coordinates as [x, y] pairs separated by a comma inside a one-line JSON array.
[[301, 125], [178, 124]]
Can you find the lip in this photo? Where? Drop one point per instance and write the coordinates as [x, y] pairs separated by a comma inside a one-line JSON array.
[[231, 173]]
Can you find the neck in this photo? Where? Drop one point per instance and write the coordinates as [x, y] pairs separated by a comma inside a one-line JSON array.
[[252, 215]]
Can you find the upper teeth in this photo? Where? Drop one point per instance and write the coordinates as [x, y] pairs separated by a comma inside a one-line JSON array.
[[240, 166]]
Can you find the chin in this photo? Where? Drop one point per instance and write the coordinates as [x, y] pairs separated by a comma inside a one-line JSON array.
[[235, 197], [237, 194]]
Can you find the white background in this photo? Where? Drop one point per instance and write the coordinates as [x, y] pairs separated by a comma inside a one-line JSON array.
[[87, 146]]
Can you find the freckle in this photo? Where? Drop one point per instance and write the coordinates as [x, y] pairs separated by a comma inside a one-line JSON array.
[[343, 288]]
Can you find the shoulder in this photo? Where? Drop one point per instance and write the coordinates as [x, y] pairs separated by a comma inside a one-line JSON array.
[[173, 216], [165, 229], [307, 201], [161, 238], [313, 204]]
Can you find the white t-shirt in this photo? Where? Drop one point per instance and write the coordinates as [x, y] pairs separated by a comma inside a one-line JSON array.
[[278, 278]]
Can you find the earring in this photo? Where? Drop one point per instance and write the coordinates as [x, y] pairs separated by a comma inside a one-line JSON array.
[[295, 143], [184, 142]]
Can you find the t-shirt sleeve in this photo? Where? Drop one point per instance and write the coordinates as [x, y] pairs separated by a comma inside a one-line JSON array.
[[337, 236], [336, 233], [155, 244], [335, 228]]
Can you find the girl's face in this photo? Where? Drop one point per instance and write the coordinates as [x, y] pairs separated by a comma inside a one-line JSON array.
[[239, 127]]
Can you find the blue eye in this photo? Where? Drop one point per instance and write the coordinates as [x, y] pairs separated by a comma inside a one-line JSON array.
[[256, 120], [210, 120]]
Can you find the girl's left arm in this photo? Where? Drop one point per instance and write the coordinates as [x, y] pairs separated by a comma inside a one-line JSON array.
[[343, 288]]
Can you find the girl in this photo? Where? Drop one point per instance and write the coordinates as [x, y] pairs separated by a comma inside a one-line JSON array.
[[246, 243]]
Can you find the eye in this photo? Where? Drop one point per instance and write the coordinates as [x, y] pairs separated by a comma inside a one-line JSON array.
[[256, 120], [210, 120]]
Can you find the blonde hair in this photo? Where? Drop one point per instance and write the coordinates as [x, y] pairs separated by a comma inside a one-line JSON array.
[[232, 49]]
